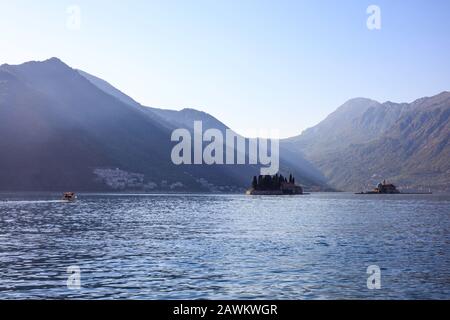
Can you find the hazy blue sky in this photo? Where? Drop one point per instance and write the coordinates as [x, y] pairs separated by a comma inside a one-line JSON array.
[[259, 64]]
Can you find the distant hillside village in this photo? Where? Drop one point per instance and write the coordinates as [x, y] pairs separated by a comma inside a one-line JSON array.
[[118, 179], [274, 185]]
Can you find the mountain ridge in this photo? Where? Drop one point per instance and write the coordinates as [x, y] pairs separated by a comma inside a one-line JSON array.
[[60, 131], [64, 128], [403, 142]]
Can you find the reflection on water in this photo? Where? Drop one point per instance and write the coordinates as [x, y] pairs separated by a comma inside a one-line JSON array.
[[225, 246]]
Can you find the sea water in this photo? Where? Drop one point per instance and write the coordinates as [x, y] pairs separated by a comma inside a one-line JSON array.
[[316, 246]]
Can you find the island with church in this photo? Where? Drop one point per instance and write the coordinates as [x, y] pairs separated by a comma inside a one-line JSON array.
[[388, 188], [274, 185], [383, 188]]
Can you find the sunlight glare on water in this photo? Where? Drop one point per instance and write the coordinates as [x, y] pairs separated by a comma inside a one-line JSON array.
[[225, 246]]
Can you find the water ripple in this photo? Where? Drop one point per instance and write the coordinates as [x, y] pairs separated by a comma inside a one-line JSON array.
[[224, 246]]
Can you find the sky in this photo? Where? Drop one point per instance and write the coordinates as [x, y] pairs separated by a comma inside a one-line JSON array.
[[255, 65]]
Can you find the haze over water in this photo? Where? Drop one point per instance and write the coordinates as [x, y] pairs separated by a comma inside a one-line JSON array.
[[225, 246]]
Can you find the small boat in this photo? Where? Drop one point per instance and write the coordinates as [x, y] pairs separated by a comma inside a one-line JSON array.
[[69, 196]]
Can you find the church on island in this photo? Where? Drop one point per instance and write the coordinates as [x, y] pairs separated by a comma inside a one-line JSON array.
[[274, 185], [383, 188]]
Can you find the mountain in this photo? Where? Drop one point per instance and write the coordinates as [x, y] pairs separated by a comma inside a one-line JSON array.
[[63, 129], [171, 119], [57, 130], [364, 142], [357, 121], [109, 89], [290, 162]]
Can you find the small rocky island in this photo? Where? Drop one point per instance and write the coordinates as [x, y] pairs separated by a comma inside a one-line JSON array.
[[274, 185], [383, 188]]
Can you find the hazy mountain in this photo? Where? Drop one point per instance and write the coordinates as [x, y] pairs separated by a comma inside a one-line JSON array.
[[56, 129], [290, 162], [357, 121], [63, 129], [364, 142], [109, 89], [113, 91], [169, 118]]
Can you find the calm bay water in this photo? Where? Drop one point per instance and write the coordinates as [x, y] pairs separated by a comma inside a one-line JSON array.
[[225, 246]]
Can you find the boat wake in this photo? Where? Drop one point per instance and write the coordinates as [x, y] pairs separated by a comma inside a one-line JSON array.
[[14, 202]]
